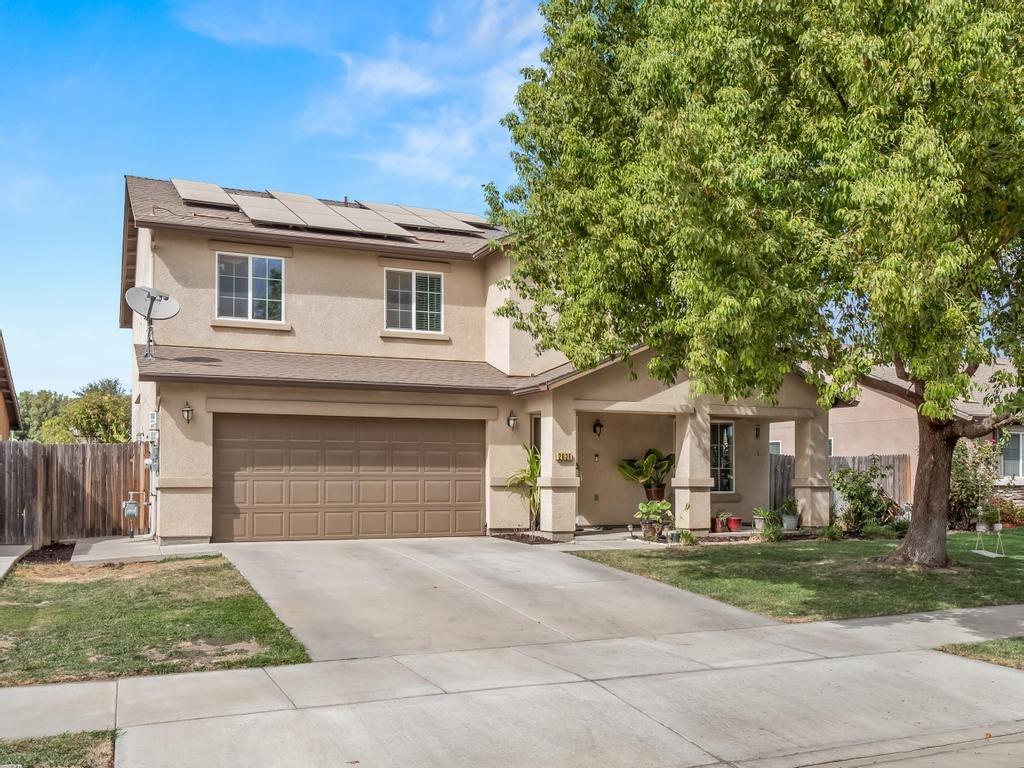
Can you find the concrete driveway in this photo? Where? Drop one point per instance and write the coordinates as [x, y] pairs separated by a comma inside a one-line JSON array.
[[476, 652], [361, 599]]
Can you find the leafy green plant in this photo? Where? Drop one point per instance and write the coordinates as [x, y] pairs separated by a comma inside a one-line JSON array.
[[650, 470], [524, 481], [834, 532], [772, 530], [687, 538], [972, 477], [873, 530], [722, 515], [864, 500], [765, 513], [652, 511]]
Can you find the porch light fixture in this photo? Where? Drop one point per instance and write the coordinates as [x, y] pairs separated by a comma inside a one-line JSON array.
[[512, 420], [186, 412], [598, 426], [757, 432]]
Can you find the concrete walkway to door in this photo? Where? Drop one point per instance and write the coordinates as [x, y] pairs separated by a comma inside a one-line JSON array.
[[368, 598]]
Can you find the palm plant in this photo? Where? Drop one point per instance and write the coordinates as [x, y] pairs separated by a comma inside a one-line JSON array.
[[524, 481], [650, 470]]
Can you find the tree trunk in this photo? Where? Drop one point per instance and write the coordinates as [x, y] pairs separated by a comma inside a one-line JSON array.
[[925, 542]]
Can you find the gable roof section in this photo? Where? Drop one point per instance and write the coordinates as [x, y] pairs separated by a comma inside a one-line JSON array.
[[8, 394], [973, 408], [156, 204]]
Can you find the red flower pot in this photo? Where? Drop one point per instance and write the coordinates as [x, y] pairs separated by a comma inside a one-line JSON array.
[[717, 526], [655, 492], [735, 523]]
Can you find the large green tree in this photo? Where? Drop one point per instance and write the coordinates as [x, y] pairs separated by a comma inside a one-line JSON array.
[[36, 408], [747, 187]]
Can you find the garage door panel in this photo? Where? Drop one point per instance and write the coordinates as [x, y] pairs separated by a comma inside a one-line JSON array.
[[305, 492], [372, 522], [268, 460], [340, 460], [438, 522], [281, 477], [268, 525], [406, 492], [406, 523], [339, 524], [373, 491], [269, 492], [303, 460], [303, 524], [339, 492]]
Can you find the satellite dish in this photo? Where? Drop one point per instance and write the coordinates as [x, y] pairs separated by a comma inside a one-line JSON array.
[[152, 305]]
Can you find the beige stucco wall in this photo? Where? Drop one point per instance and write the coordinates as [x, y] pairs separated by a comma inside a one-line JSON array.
[[334, 302], [605, 497], [5, 423]]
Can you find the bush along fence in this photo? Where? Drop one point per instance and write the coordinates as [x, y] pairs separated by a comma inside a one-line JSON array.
[[50, 493], [896, 482]]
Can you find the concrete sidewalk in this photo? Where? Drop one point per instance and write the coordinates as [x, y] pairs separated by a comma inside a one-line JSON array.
[[123, 549], [770, 697], [11, 554]]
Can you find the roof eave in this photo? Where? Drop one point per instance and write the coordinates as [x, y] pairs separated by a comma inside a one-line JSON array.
[[13, 409]]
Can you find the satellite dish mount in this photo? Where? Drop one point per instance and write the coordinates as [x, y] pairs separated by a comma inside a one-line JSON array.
[[152, 305]]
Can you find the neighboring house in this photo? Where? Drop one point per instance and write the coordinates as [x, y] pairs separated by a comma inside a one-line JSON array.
[[880, 424], [10, 416], [337, 371]]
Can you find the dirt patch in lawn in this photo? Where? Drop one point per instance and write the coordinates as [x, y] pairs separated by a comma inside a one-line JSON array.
[[53, 553], [523, 538], [62, 622]]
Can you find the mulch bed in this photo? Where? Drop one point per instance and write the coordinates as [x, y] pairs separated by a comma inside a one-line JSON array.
[[524, 538], [53, 553]]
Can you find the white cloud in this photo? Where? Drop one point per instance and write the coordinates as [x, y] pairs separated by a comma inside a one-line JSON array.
[[440, 94], [263, 22]]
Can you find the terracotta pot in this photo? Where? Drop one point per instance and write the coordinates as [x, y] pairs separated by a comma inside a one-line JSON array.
[[655, 492], [717, 526], [735, 523], [650, 529]]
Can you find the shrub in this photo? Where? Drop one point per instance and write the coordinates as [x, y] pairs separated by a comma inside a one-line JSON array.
[[772, 530], [975, 469], [864, 501], [687, 538], [1006, 511], [901, 525], [873, 530], [834, 532]]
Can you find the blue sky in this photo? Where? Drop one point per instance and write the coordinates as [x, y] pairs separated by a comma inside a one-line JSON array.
[[396, 101]]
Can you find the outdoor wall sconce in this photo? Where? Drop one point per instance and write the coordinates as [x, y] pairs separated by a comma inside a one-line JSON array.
[[512, 420], [757, 432], [186, 412], [598, 427]]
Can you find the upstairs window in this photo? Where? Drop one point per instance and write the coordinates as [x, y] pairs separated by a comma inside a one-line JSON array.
[[250, 287], [414, 301], [722, 452], [1013, 455]]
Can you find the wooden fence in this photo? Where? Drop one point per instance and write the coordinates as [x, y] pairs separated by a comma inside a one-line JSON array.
[[53, 492], [896, 483]]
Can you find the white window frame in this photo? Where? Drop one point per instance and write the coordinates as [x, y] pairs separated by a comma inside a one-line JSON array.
[[775, 442], [1017, 434], [732, 456], [414, 272], [248, 303]]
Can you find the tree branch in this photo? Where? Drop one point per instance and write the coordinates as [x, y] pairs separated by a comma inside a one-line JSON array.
[[972, 430], [907, 394]]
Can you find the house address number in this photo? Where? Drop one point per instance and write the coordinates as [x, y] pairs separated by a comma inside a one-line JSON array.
[[564, 456]]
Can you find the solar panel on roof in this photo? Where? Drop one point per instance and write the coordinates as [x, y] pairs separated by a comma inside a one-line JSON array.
[[469, 218], [202, 192], [370, 222], [441, 220], [267, 210], [398, 215]]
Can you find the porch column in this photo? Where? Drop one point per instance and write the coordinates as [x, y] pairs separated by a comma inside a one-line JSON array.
[[810, 482], [558, 481], [692, 482]]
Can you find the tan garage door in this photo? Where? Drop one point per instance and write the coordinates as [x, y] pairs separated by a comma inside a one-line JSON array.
[[288, 477]]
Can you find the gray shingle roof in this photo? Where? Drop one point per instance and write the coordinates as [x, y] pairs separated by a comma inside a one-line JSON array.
[[253, 367], [971, 408]]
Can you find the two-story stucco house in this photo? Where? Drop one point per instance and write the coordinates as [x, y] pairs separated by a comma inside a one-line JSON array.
[[337, 371]]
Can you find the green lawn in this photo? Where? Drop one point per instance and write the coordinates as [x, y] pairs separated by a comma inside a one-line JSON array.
[[62, 622], [812, 580], [1009, 653], [91, 749]]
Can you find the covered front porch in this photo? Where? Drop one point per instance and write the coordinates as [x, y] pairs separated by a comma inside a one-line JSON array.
[[721, 449]]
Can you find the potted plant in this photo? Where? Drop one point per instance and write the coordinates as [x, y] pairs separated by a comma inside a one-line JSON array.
[[649, 471], [788, 513], [718, 522], [653, 515], [761, 517], [735, 523]]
